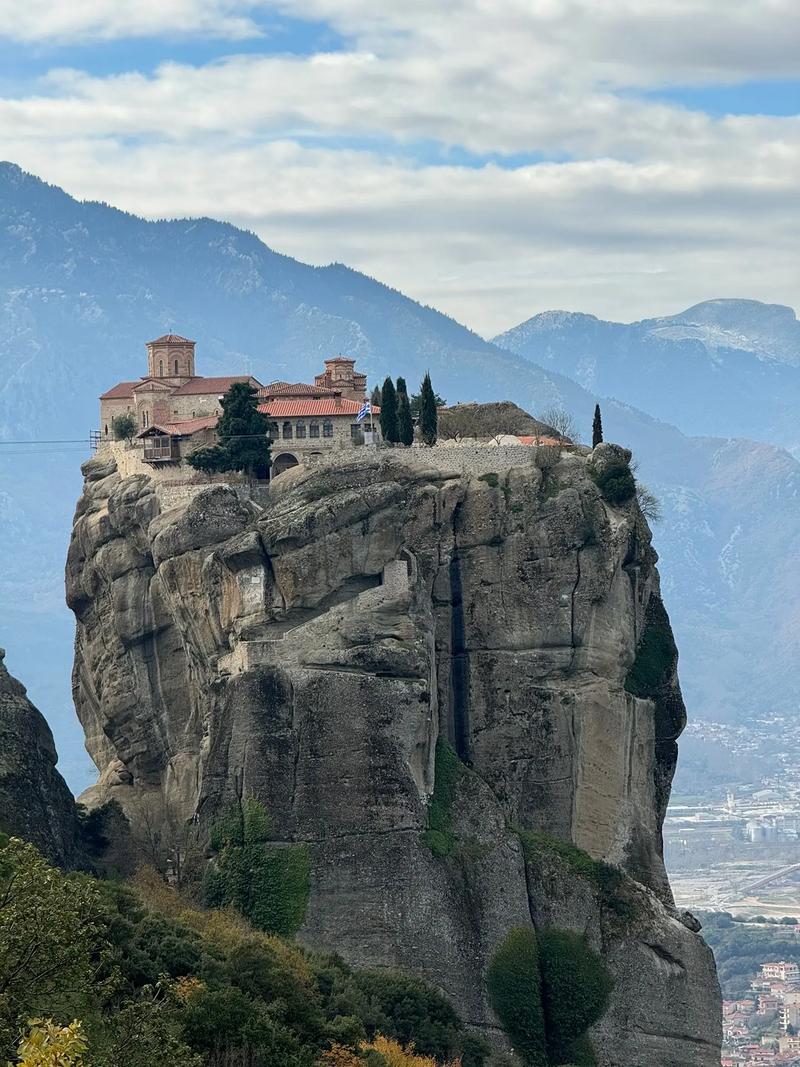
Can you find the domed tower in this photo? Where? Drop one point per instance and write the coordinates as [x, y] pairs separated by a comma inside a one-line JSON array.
[[171, 356]]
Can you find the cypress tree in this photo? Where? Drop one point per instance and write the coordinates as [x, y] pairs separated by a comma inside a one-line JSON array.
[[428, 416], [242, 430], [405, 423], [389, 427], [375, 398], [597, 427]]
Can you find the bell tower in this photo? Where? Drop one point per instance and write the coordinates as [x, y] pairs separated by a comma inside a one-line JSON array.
[[172, 357]]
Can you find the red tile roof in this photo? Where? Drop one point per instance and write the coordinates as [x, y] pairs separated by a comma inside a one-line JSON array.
[[207, 386], [339, 359], [171, 338], [121, 391], [190, 426], [296, 389], [284, 409], [197, 386], [181, 429]]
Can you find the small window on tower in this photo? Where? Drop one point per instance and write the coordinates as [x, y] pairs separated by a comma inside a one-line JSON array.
[[161, 368], [176, 366]]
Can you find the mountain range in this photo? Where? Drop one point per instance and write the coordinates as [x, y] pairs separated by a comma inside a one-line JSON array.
[[83, 286], [720, 367]]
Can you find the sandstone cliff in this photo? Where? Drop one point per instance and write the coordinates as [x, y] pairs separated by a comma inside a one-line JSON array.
[[312, 651], [35, 802]]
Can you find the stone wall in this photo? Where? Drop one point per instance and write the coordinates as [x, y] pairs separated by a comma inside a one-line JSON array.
[[465, 459]]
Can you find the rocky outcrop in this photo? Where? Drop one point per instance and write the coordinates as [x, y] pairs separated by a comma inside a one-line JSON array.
[[35, 802], [318, 652]]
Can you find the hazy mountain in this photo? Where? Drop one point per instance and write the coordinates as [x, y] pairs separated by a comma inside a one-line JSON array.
[[721, 367], [83, 286]]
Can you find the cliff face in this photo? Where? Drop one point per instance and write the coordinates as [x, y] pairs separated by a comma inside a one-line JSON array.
[[35, 802], [312, 652]]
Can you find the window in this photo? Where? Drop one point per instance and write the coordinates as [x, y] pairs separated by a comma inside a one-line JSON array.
[[161, 368], [313, 429], [105, 429], [356, 433], [274, 431], [144, 418], [327, 428], [300, 428], [158, 447], [287, 431], [176, 366]]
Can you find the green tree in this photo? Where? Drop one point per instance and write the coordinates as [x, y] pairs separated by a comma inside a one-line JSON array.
[[375, 397], [242, 431], [597, 427], [428, 415], [416, 403], [123, 427], [405, 423], [209, 460], [49, 933], [389, 425]]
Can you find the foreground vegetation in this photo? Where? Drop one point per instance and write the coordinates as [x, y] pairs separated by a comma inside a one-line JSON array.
[[112, 973], [99, 972]]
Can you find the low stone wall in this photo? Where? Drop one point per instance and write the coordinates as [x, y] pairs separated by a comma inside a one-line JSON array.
[[460, 459]]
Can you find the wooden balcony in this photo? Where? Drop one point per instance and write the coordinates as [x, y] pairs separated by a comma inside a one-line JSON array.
[[161, 449]]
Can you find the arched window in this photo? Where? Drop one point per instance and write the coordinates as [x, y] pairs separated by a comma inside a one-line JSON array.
[[327, 428], [300, 428], [313, 429], [161, 368], [176, 366], [274, 431], [287, 430]]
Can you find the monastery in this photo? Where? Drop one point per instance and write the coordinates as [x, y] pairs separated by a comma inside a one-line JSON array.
[[176, 410]]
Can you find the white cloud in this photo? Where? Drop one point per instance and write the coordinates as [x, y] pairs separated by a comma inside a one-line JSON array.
[[489, 246], [63, 21], [653, 207]]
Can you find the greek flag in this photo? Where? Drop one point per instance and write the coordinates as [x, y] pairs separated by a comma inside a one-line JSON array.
[[363, 411]]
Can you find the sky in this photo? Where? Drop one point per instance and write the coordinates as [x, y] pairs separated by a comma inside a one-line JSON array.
[[493, 158]]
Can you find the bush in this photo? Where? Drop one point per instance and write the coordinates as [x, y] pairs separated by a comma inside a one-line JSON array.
[[123, 427], [576, 988], [616, 483], [268, 882], [210, 460], [656, 653], [439, 836], [105, 951], [515, 992], [649, 504]]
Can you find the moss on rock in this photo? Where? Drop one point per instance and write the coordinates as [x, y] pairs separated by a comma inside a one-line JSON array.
[[656, 654], [439, 836]]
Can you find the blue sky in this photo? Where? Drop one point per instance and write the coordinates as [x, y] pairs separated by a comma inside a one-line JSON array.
[[493, 159]]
